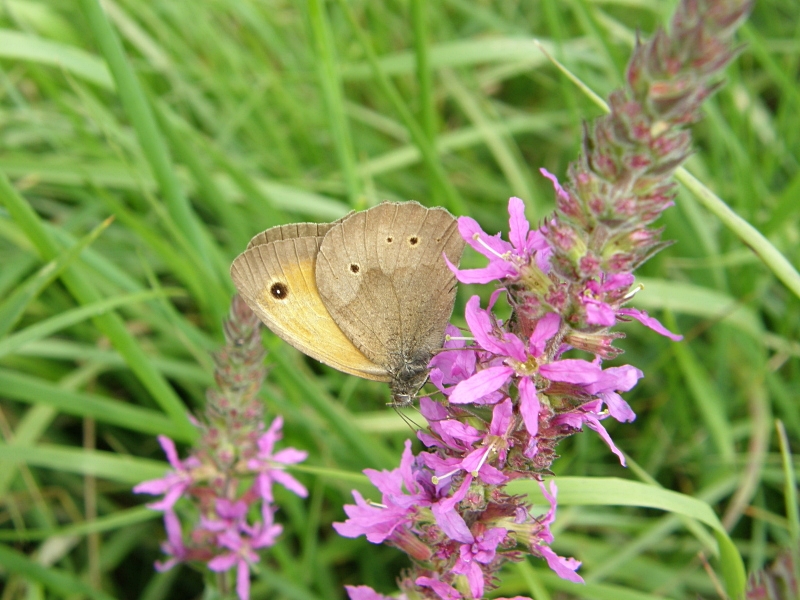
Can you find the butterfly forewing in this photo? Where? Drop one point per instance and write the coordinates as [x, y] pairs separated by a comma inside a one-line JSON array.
[[276, 280]]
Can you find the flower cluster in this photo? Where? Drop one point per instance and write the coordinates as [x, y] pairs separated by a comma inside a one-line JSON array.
[[226, 482], [520, 385]]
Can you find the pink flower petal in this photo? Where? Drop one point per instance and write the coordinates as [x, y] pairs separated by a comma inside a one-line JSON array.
[[615, 379], [290, 483], [480, 385], [560, 191], [571, 370], [443, 590], [598, 313], [243, 581], [222, 562], [650, 322], [501, 417], [563, 567], [545, 329], [452, 523], [594, 423], [492, 272], [518, 225], [153, 487], [529, 406], [488, 474], [364, 592], [290, 456], [474, 576], [618, 408], [489, 246]]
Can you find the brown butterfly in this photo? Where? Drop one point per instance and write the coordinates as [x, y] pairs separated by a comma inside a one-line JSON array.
[[369, 295]]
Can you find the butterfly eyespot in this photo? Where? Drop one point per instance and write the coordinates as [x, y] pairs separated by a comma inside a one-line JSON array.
[[354, 268], [279, 291], [413, 240]]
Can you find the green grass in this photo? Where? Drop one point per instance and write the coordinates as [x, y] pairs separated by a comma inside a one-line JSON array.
[[198, 124]]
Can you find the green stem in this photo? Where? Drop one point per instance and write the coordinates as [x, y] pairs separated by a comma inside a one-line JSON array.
[[430, 156], [331, 81], [144, 124], [751, 236]]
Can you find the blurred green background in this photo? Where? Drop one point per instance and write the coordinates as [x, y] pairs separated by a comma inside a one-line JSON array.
[[244, 114]]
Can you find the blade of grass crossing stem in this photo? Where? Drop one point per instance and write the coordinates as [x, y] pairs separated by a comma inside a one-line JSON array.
[[452, 199], [333, 93], [113, 522], [768, 254], [125, 469], [16, 303], [33, 390], [68, 318], [111, 325]]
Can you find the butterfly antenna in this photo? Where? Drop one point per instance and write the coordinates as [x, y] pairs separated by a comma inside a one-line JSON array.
[[440, 350], [412, 425]]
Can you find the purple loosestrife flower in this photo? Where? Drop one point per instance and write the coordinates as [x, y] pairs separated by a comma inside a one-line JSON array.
[[175, 483], [446, 509], [506, 260], [393, 519], [173, 547], [524, 362], [227, 528], [514, 392], [471, 556], [241, 542], [269, 464]]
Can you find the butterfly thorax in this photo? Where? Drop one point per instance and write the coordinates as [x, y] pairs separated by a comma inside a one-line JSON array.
[[408, 378]]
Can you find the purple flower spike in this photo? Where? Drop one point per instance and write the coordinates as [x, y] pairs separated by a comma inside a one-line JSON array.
[[228, 531], [513, 393]]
